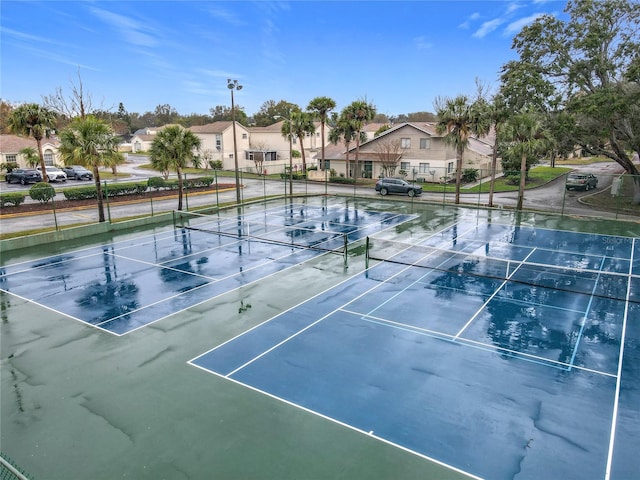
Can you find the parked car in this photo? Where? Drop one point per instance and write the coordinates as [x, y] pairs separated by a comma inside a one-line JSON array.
[[24, 176], [396, 185], [581, 181], [54, 174], [78, 173]]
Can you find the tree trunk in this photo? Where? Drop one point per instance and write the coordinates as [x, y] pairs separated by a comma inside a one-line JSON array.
[[458, 174], [492, 184], [43, 167], [523, 179], [96, 176], [180, 187]]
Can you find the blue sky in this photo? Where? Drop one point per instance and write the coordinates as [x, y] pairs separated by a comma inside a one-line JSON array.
[[399, 55]]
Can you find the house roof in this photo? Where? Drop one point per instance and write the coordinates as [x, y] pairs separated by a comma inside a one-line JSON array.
[[13, 143], [215, 127]]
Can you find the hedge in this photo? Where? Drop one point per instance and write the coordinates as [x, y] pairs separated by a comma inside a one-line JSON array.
[[112, 190], [133, 188], [12, 198], [197, 182]]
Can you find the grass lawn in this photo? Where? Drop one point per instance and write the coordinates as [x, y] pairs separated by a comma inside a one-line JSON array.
[[622, 203]]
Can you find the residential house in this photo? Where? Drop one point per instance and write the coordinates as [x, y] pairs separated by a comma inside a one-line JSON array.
[[142, 139], [270, 140], [421, 154], [10, 146], [217, 144]]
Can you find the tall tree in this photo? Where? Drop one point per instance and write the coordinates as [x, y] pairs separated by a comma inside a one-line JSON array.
[[321, 106], [175, 147], [90, 142], [459, 119], [270, 110], [589, 62], [359, 113], [302, 125], [35, 121], [523, 136], [344, 129]]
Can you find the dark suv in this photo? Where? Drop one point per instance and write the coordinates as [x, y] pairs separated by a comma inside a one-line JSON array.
[[396, 185], [24, 176], [581, 181]]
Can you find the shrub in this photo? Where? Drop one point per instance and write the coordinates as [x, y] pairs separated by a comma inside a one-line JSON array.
[[157, 183], [9, 166], [42, 192], [11, 198], [469, 175], [342, 179]]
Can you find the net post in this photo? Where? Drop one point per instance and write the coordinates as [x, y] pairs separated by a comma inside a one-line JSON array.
[[346, 256], [366, 253]]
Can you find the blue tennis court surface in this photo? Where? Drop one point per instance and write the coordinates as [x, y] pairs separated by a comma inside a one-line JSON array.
[[120, 287], [497, 350]]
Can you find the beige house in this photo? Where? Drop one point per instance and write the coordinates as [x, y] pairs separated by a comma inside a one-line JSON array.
[[411, 150], [217, 144], [10, 146]]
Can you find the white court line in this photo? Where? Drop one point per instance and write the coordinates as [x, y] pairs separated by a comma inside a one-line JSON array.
[[473, 317], [616, 401], [473, 343], [368, 433], [586, 313]]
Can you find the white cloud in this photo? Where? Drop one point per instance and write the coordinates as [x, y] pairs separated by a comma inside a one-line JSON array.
[[488, 27], [421, 43], [226, 16], [515, 27], [134, 32]]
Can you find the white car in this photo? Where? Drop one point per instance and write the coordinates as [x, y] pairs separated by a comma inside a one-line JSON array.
[[54, 174]]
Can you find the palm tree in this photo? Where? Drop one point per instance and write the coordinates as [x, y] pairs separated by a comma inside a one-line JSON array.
[[460, 119], [302, 125], [174, 147], [498, 114], [34, 121], [344, 129], [31, 156], [321, 106], [90, 142], [360, 113], [523, 136]]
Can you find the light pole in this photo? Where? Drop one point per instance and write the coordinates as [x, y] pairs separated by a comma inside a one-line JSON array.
[[290, 154], [234, 85]]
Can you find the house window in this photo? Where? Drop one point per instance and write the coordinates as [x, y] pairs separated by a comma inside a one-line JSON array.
[[48, 158], [248, 155], [423, 168], [244, 136], [293, 140], [218, 142], [450, 167], [405, 143], [425, 143], [231, 155], [405, 166], [11, 158]]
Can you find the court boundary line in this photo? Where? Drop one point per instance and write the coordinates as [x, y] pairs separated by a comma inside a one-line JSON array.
[[616, 403], [338, 422]]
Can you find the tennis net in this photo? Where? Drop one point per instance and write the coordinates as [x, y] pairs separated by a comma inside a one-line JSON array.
[[610, 280], [307, 237]]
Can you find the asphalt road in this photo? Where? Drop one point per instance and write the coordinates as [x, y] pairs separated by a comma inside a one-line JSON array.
[[551, 197]]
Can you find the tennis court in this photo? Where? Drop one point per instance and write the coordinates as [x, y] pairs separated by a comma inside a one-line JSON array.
[[329, 338]]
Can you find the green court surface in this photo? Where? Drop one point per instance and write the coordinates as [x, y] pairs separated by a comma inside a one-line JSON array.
[[78, 402]]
